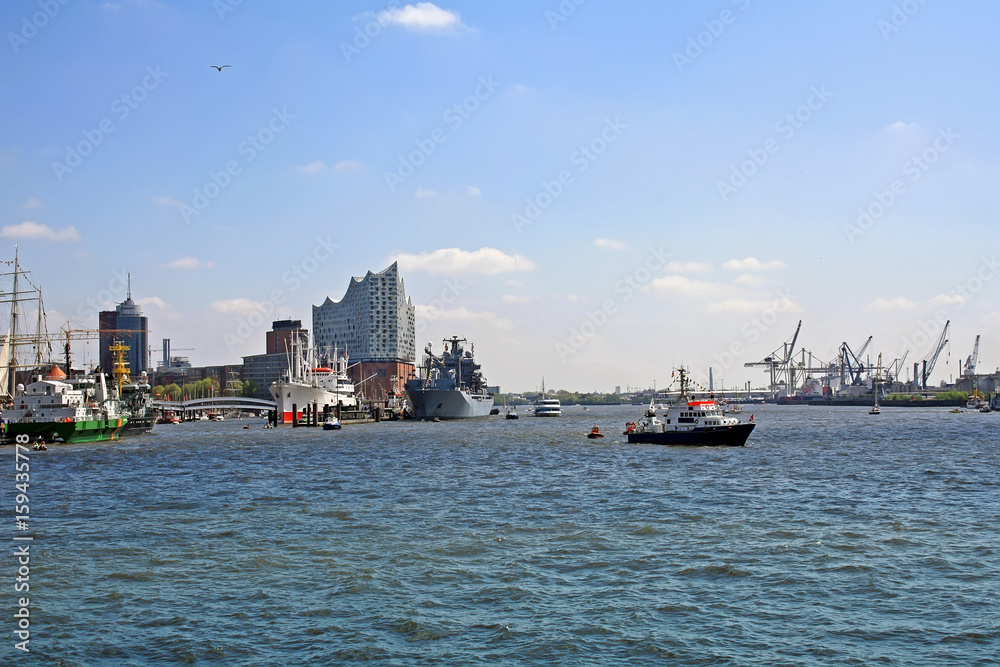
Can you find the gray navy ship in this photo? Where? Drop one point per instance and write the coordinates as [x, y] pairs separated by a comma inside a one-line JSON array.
[[451, 386]]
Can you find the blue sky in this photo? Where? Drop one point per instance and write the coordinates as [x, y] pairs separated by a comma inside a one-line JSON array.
[[595, 192]]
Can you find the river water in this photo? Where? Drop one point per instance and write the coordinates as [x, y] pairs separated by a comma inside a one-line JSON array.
[[834, 537]]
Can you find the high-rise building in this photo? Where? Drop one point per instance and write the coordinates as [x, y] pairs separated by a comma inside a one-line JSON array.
[[375, 325], [128, 325]]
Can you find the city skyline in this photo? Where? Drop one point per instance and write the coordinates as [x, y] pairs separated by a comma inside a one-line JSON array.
[[595, 194]]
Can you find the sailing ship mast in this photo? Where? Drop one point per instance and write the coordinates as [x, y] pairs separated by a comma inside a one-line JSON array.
[[9, 350]]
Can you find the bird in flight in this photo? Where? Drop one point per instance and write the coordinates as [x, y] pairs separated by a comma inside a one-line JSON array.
[[219, 67]]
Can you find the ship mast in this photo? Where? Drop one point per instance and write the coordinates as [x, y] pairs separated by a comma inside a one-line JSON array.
[[12, 361]]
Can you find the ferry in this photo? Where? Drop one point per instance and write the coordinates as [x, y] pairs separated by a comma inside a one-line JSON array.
[[689, 422], [547, 407]]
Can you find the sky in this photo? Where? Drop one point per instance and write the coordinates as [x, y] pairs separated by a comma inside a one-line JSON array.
[[592, 193]]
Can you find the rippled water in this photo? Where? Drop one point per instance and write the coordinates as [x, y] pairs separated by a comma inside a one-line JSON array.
[[833, 538]]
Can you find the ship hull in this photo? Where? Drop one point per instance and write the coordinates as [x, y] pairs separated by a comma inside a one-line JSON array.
[[714, 436], [448, 404], [289, 395], [89, 430], [139, 425]]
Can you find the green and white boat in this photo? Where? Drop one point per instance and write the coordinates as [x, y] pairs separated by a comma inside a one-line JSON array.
[[74, 410]]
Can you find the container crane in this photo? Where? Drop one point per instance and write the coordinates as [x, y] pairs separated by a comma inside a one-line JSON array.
[[970, 362]]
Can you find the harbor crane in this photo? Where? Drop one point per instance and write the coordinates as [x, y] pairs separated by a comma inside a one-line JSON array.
[[970, 362], [851, 365], [893, 370], [91, 334], [920, 375], [778, 363]]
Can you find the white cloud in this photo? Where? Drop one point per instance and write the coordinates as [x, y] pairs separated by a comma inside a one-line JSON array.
[[953, 299], [166, 201], [451, 261], [748, 279], [423, 16], [513, 298], [899, 303], [313, 167], [900, 125], [36, 230], [424, 194], [753, 264], [348, 165], [152, 302], [241, 306], [738, 305], [514, 283], [609, 243], [461, 314], [473, 191], [189, 264], [685, 286], [688, 267], [32, 202]]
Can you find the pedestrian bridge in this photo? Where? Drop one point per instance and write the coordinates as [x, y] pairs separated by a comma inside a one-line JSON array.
[[216, 403]]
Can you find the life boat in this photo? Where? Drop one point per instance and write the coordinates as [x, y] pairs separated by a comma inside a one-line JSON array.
[[595, 433]]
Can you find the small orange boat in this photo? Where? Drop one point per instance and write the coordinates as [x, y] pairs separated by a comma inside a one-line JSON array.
[[595, 433]]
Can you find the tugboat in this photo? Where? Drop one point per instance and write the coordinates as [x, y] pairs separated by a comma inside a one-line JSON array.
[[689, 422], [451, 387]]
